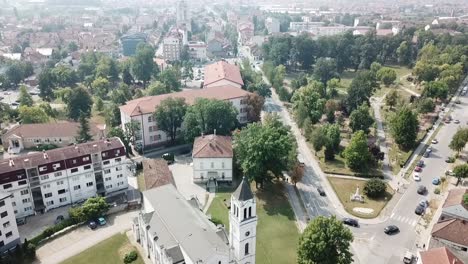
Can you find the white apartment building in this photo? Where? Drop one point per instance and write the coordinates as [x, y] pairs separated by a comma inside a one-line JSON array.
[[141, 110], [212, 159], [9, 236], [172, 46], [42, 181], [303, 26], [272, 25], [197, 50]]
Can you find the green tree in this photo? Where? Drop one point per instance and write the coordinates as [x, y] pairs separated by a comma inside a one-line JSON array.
[[25, 99], [325, 69], [254, 107], [386, 75], [325, 241], [425, 105], [170, 114], [264, 150], [404, 128], [375, 188], [157, 88], [143, 66], [51, 112], [328, 137], [360, 90], [83, 131], [171, 78], [436, 89], [307, 103], [78, 100], [360, 119], [391, 99], [46, 85], [32, 115], [118, 132], [127, 77], [465, 199], [461, 171], [206, 115], [357, 153], [100, 87], [425, 71], [95, 207], [112, 115], [14, 73], [99, 104], [404, 53], [459, 140], [72, 46], [64, 76]]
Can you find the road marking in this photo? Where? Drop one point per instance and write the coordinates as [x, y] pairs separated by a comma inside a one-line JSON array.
[[392, 215]]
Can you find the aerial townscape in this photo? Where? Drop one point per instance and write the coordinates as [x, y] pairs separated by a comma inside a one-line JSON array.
[[233, 132]]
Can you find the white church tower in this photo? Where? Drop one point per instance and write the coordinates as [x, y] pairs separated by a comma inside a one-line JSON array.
[[243, 224]]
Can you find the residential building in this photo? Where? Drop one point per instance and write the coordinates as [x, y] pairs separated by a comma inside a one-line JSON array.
[[197, 50], [9, 235], [130, 42], [141, 110], [222, 73], [215, 48], [39, 182], [156, 173], [452, 233], [453, 206], [272, 25], [28, 136], [304, 26], [172, 46], [173, 230], [440, 255], [212, 159], [183, 16], [245, 31]]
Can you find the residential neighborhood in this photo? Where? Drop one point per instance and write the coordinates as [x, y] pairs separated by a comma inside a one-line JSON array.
[[220, 132]]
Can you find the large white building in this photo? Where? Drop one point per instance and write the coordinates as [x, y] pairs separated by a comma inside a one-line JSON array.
[[42, 181], [9, 236], [173, 230], [272, 25], [141, 110], [212, 159], [197, 50], [172, 46]]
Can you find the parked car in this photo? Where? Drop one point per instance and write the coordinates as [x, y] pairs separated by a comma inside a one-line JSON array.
[[321, 191], [102, 221], [456, 121], [458, 101], [426, 154], [59, 219], [421, 163], [408, 258], [350, 222], [422, 189], [435, 141], [418, 169], [419, 210], [416, 177], [391, 229], [424, 203], [169, 157], [436, 181], [92, 225]]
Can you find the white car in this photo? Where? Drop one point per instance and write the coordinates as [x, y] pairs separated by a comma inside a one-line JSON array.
[[434, 141], [416, 177]]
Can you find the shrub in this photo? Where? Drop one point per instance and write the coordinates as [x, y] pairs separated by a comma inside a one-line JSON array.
[[216, 221], [130, 257], [375, 188], [437, 190], [443, 179]]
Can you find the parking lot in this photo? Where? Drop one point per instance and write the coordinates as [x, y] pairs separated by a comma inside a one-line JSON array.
[[10, 97], [38, 223]]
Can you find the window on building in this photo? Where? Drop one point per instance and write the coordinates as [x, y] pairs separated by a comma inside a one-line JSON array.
[[212, 165], [27, 200], [246, 249], [24, 192], [86, 158], [201, 165], [89, 184], [7, 186], [59, 183], [151, 129], [245, 213], [48, 195], [150, 118], [9, 234], [77, 187], [119, 176], [250, 212], [62, 200], [104, 154], [107, 162], [87, 167], [45, 186], [107, 179], [62, 191], [6, 224], [29, 208], [74, 170], [58, 174], [76, 178], [222, 175], [2, 243], [118, 159], [109, 186], [3, 214], [49, 203], [2, 203], [44, 177], [13, 204], [74, 161], [23, 182], [222, 164], [107, 171], [118, 168]]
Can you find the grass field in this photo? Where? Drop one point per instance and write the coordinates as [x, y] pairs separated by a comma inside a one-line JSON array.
[[344, 188], [277, 234], [109, 251]]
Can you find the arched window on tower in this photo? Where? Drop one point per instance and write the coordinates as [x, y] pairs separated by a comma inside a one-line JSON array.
[[246, 249], [250, 211], [245, 213]]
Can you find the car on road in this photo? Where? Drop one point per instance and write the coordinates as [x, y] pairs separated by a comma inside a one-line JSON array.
[[6, 93], [458, 101], [429, 149], [59, 219], [426, 154], [419, 210], [102, 221], [391, 229], [447, 121], [436, 181], [408, 258], [169, 157], [350, 222], [418, 169], [420, 163], [435, 141], [416, 177], [321, 191], [422, 189], [456, 121], [92, 225], [424, 203]]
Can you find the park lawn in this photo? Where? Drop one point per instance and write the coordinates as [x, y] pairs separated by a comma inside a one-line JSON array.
[[111, 250], [277, 234], [344, 188]]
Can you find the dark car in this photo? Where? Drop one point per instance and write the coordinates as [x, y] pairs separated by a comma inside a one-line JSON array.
[[320, 191], [350, 222], [59, 219], [92, 225], [422, 189], [391, 229], [419, 210], [421, 163], [169, 157]]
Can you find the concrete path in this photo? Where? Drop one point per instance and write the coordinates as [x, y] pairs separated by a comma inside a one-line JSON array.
[[83, 238]]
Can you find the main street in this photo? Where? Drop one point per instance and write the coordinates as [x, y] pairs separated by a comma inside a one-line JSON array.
[[371, 244]]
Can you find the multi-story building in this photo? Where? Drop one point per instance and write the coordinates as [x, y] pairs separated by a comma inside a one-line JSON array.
[[183, 16], [42, 181], [272, 25], [197, 50], [212, 159], [130, 42], [222, 73], [172, 46], [304, 26], [9, 236], [141, 110]]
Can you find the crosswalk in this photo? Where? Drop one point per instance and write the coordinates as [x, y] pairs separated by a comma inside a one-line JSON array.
[[407, 220]]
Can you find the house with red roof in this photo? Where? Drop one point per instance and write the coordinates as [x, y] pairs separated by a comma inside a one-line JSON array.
[[222, 73], [440, 255]]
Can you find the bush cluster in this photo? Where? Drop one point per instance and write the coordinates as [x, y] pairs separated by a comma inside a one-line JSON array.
[[130, 257]]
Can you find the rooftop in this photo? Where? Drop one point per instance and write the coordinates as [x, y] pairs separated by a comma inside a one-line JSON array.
[[212, 146], [222, 70], [439, 256], [243, 192], [50, 130], [156, 173], [453, 230]]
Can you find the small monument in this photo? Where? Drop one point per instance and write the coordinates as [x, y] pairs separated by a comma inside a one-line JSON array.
[[357, 196]]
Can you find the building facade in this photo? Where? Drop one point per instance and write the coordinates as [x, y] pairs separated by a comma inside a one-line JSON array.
[[172, 46], [197, 50], [212, 159], [222, 73], [9, 235], [272, 25], [141, 111], [42, 181]]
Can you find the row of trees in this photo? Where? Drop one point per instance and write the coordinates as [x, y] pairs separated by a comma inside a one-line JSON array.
[[16, 71]]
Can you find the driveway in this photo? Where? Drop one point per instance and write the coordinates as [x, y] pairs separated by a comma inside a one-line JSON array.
[[83, 238], [38, 223]]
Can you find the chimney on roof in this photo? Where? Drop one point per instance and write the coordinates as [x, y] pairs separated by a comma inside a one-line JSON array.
[[108, 142], [11, 163], [45, 154], [202, 135], [214, 132]]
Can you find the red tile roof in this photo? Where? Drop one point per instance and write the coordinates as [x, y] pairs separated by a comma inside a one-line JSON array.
[[146, 105], [439, 256], [212, 146], [222, 70], [455, 197], [59, 129], [453, 230], [156, 173]]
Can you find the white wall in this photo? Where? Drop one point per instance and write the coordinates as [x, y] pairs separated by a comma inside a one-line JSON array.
[[201, 167], [8, 224], [222, 83]]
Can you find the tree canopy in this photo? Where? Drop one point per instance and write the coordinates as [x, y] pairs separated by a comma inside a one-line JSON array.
[[357, 153], [360, 119], [170, 114], [404, 127]]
